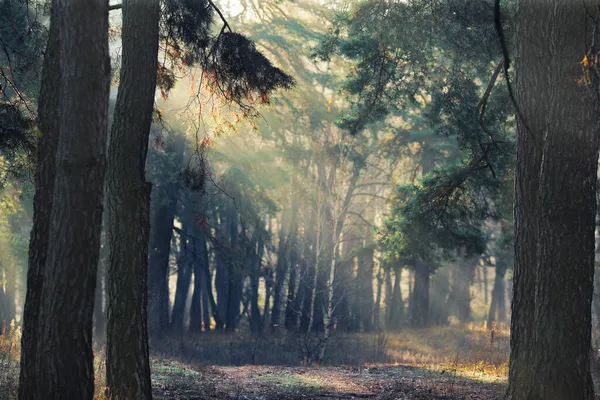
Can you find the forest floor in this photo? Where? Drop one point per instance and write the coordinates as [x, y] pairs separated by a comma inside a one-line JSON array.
[[377, 382], [447, 363], [441, 363]]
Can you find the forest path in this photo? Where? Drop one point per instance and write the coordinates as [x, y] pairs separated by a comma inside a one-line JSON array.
[[377, 382]]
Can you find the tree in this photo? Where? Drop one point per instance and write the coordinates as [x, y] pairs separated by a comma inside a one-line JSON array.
[[555, 205], [58, 320], [127, 359]]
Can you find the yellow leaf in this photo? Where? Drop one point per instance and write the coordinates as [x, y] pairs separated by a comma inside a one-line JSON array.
[[585, 61]]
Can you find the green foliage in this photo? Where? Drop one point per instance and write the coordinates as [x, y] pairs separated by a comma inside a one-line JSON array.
[[22, 39], [232, 65], [426, 63]]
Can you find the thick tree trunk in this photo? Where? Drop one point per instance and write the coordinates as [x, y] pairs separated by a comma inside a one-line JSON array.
[[64, 366], [127, 364], [419, 302], [557, 152], [48, 109]]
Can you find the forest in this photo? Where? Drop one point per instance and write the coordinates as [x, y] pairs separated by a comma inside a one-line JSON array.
[[299, 199]]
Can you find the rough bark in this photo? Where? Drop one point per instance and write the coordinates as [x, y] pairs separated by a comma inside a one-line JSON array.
[[48, 109], [557, 152], [127, 364], [67, 295]]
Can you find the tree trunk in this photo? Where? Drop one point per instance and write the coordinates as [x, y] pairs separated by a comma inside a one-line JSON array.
[[498, 295], [255, 255], [280, 275], [377, 305], [221, 269], [48, 109], [234, 274], [160, 247], [388, 295], [291, 315], [182, 290], [485, 285], [99, 311], [199, 311], [69, 278], [127, 364], [462, 278], [557, 154], [396, 303], [364, 286], [420, 297]]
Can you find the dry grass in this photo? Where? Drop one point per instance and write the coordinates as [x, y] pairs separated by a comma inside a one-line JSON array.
[[437, 358], [10, 340]]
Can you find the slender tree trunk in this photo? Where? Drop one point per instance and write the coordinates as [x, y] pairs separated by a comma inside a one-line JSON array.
[[377, 305], [99, 311], [291, 315], [199, 311], [462, 278], [235, 277], [396, 303], [268, 279], [502, 300], [420, 298], [485, 285], [221, 269], [182, 290], [160, 247], [48, 109], [308, 278], [365, 287], [67, 294], [388, 295], [255, 255], [281, 270], [557, 155]]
